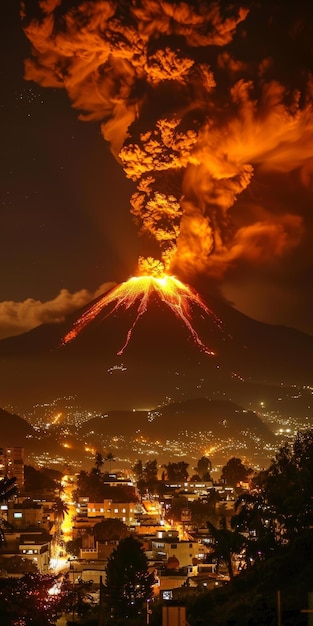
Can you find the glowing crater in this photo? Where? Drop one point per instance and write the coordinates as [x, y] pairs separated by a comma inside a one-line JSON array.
[[137, 292]]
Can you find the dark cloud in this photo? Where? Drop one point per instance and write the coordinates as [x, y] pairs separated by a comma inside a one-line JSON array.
[[208, 108]]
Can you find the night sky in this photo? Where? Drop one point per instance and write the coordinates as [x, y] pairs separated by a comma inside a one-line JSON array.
[[67, 233]]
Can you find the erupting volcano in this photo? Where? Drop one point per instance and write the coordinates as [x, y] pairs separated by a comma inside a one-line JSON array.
[[137, 292], [191, 109]]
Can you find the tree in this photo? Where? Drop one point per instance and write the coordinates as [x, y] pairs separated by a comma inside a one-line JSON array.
[[177, 472], [60, 509], [203, 511], [151, 471], [235, 472], [280, 507], [178, 504], [203, 468], [288, 486], [128, 583], [110, 458], [73, 547], [147, 476], [110, 530], [38, 480], [138, 470], [226, 544], [31, 600], [254, 517], [92, 485], [99, 462]]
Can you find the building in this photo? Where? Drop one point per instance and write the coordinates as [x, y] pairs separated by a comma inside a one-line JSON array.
[[124, 511], [33, 546], [100, 550], [36, 548], [12, 464], [187, 553], [25, 514]]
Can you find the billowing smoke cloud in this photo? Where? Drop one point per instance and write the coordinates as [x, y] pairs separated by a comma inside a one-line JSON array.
[[19, 317], [195, 98]]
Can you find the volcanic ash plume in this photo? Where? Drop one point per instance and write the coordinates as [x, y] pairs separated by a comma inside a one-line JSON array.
[[195, 98], [190, 108]]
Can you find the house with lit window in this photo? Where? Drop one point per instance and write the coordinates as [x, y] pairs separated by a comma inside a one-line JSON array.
[[36, 548], [12, 464], [33, 546], [25, 514], [186, 552], [124, 511]]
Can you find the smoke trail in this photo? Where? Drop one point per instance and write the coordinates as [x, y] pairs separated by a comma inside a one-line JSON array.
[[192, 102]]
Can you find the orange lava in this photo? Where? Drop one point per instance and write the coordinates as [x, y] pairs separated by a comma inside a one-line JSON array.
[[137, 292]]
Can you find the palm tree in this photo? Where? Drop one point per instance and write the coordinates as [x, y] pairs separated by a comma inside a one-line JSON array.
[[226, 544], [111, 458], [60, 509], [99, 462]]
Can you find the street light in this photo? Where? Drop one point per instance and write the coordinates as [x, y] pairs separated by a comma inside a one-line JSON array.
[[148, 611]]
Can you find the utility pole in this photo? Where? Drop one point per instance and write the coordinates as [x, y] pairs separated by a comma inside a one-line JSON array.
[[278, 608], [73, 587], [100, 603], [309, 610]]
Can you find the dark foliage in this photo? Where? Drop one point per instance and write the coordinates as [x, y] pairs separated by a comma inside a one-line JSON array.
[[93, 485], [27, 600], [128, 582], [39, 480], [251, 599]]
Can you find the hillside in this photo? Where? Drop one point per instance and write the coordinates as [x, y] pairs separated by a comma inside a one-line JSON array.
[[161, 361]]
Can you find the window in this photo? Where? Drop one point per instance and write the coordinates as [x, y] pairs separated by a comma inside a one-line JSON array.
[[167, 594], [18, 515], [173, 546]]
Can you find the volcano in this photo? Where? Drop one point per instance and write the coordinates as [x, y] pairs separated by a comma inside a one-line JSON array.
[[162, 362]]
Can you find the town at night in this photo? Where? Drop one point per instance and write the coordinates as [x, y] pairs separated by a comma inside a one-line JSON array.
[[156, 337]]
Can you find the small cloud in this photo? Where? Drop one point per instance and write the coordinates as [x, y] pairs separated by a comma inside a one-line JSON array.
[[20, 317]]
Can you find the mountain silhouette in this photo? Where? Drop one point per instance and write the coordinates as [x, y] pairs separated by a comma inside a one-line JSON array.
[[161, 362], [223, 417]]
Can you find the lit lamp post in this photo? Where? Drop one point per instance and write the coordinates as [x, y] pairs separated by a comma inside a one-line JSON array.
[[148, 612]]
